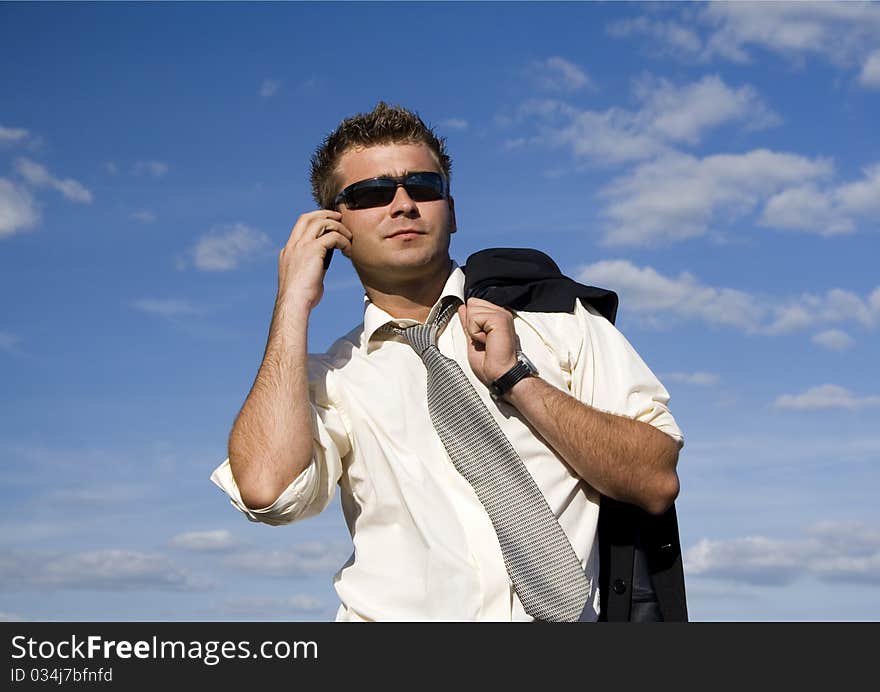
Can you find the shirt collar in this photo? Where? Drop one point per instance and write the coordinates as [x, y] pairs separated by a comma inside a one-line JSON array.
[[375, 317]]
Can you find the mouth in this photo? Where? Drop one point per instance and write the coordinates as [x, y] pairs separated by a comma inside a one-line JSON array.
[[405, 234]]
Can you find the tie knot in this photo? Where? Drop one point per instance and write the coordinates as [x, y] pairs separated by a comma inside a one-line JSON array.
[[423, 336]]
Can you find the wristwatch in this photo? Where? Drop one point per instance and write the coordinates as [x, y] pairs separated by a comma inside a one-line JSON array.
[[523, 368]]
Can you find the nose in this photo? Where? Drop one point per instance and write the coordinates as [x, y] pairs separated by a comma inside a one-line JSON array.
[[403, 204]]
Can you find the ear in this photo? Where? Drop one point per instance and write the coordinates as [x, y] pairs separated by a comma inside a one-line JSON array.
[[452, 225]]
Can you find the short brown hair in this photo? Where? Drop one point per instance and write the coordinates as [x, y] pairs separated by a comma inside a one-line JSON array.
[[383, 125]]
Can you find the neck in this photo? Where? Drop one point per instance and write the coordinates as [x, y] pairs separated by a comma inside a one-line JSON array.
[[411, 299]]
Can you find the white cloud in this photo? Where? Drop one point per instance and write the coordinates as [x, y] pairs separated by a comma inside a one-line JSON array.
[[271, 607], [226, 248], [678, 196], [269, 87], [154, 168], [836, 305], [455, 124], [849, 570], [167, 308], [682, 113], [612, 136], [38, 176], [671, 196], [833, 339], [11, 135], [870, 74], [662, 300], [72, 190], [110, 570], [111, 167], [844, 33], [219, 540], [833, 551], [305, 603], [826, 396], [703, 379], [17, 209], [10, 617], [778, 450], [143, 216], [754, 559], [558, 74], [804, 208], [301, 561], [644, 290], [841, 32], [678, 38], [828, 212], [861, 196], [9, 342], [669, 115], [112, 494], [860, 538]]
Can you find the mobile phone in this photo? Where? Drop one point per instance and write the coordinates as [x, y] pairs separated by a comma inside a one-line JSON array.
[[328, 257]]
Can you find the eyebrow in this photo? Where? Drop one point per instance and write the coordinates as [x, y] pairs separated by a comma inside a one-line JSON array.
[[401, 175]]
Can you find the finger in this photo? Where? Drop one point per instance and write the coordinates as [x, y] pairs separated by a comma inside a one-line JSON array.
[[484, 304], [486, 308], [307, 221], [474, 329], [325, 226], [334, 239], [318, 227], [482, 320], [478, 340]]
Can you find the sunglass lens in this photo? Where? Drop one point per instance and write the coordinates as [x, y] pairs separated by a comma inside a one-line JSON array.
[[424, 187], [375, 193]]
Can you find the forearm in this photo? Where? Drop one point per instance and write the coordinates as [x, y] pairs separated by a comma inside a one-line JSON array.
[[622, 458], [271, 440]]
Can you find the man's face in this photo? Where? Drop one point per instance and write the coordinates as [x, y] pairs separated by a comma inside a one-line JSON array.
[[405, 239]]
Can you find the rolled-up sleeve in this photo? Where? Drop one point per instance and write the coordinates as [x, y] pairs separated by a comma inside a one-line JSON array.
[[311, 491], [608, 374]]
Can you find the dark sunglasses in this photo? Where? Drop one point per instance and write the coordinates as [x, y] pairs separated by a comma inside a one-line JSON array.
[[425, 186]]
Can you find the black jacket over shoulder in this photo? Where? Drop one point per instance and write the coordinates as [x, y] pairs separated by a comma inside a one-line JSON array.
[[638, 552]]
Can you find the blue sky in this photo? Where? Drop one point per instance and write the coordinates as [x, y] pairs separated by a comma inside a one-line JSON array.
[[717, 165]]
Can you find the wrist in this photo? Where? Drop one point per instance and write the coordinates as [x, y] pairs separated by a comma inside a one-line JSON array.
[[498, 371], [522, 369], [293, 304], [524, 390]]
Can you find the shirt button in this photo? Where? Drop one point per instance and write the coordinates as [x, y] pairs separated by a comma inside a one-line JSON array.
[[619, 586]]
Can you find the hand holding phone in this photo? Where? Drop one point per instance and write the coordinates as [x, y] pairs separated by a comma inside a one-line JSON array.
[[300, 272]]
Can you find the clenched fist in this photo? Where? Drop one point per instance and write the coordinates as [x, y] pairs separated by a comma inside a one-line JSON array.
[[493, 341]]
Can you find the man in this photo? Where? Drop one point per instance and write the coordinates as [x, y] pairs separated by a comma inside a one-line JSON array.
[[586, 416]]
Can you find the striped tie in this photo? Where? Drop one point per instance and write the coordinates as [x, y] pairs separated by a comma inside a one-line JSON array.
[[542, 565]]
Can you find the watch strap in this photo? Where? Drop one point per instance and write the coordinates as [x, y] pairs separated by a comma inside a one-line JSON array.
[[503, 384]]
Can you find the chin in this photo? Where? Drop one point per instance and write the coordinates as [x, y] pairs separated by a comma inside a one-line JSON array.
[[416, 253]]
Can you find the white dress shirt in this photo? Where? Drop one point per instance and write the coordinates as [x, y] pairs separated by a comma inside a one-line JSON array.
[[424, 547]]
